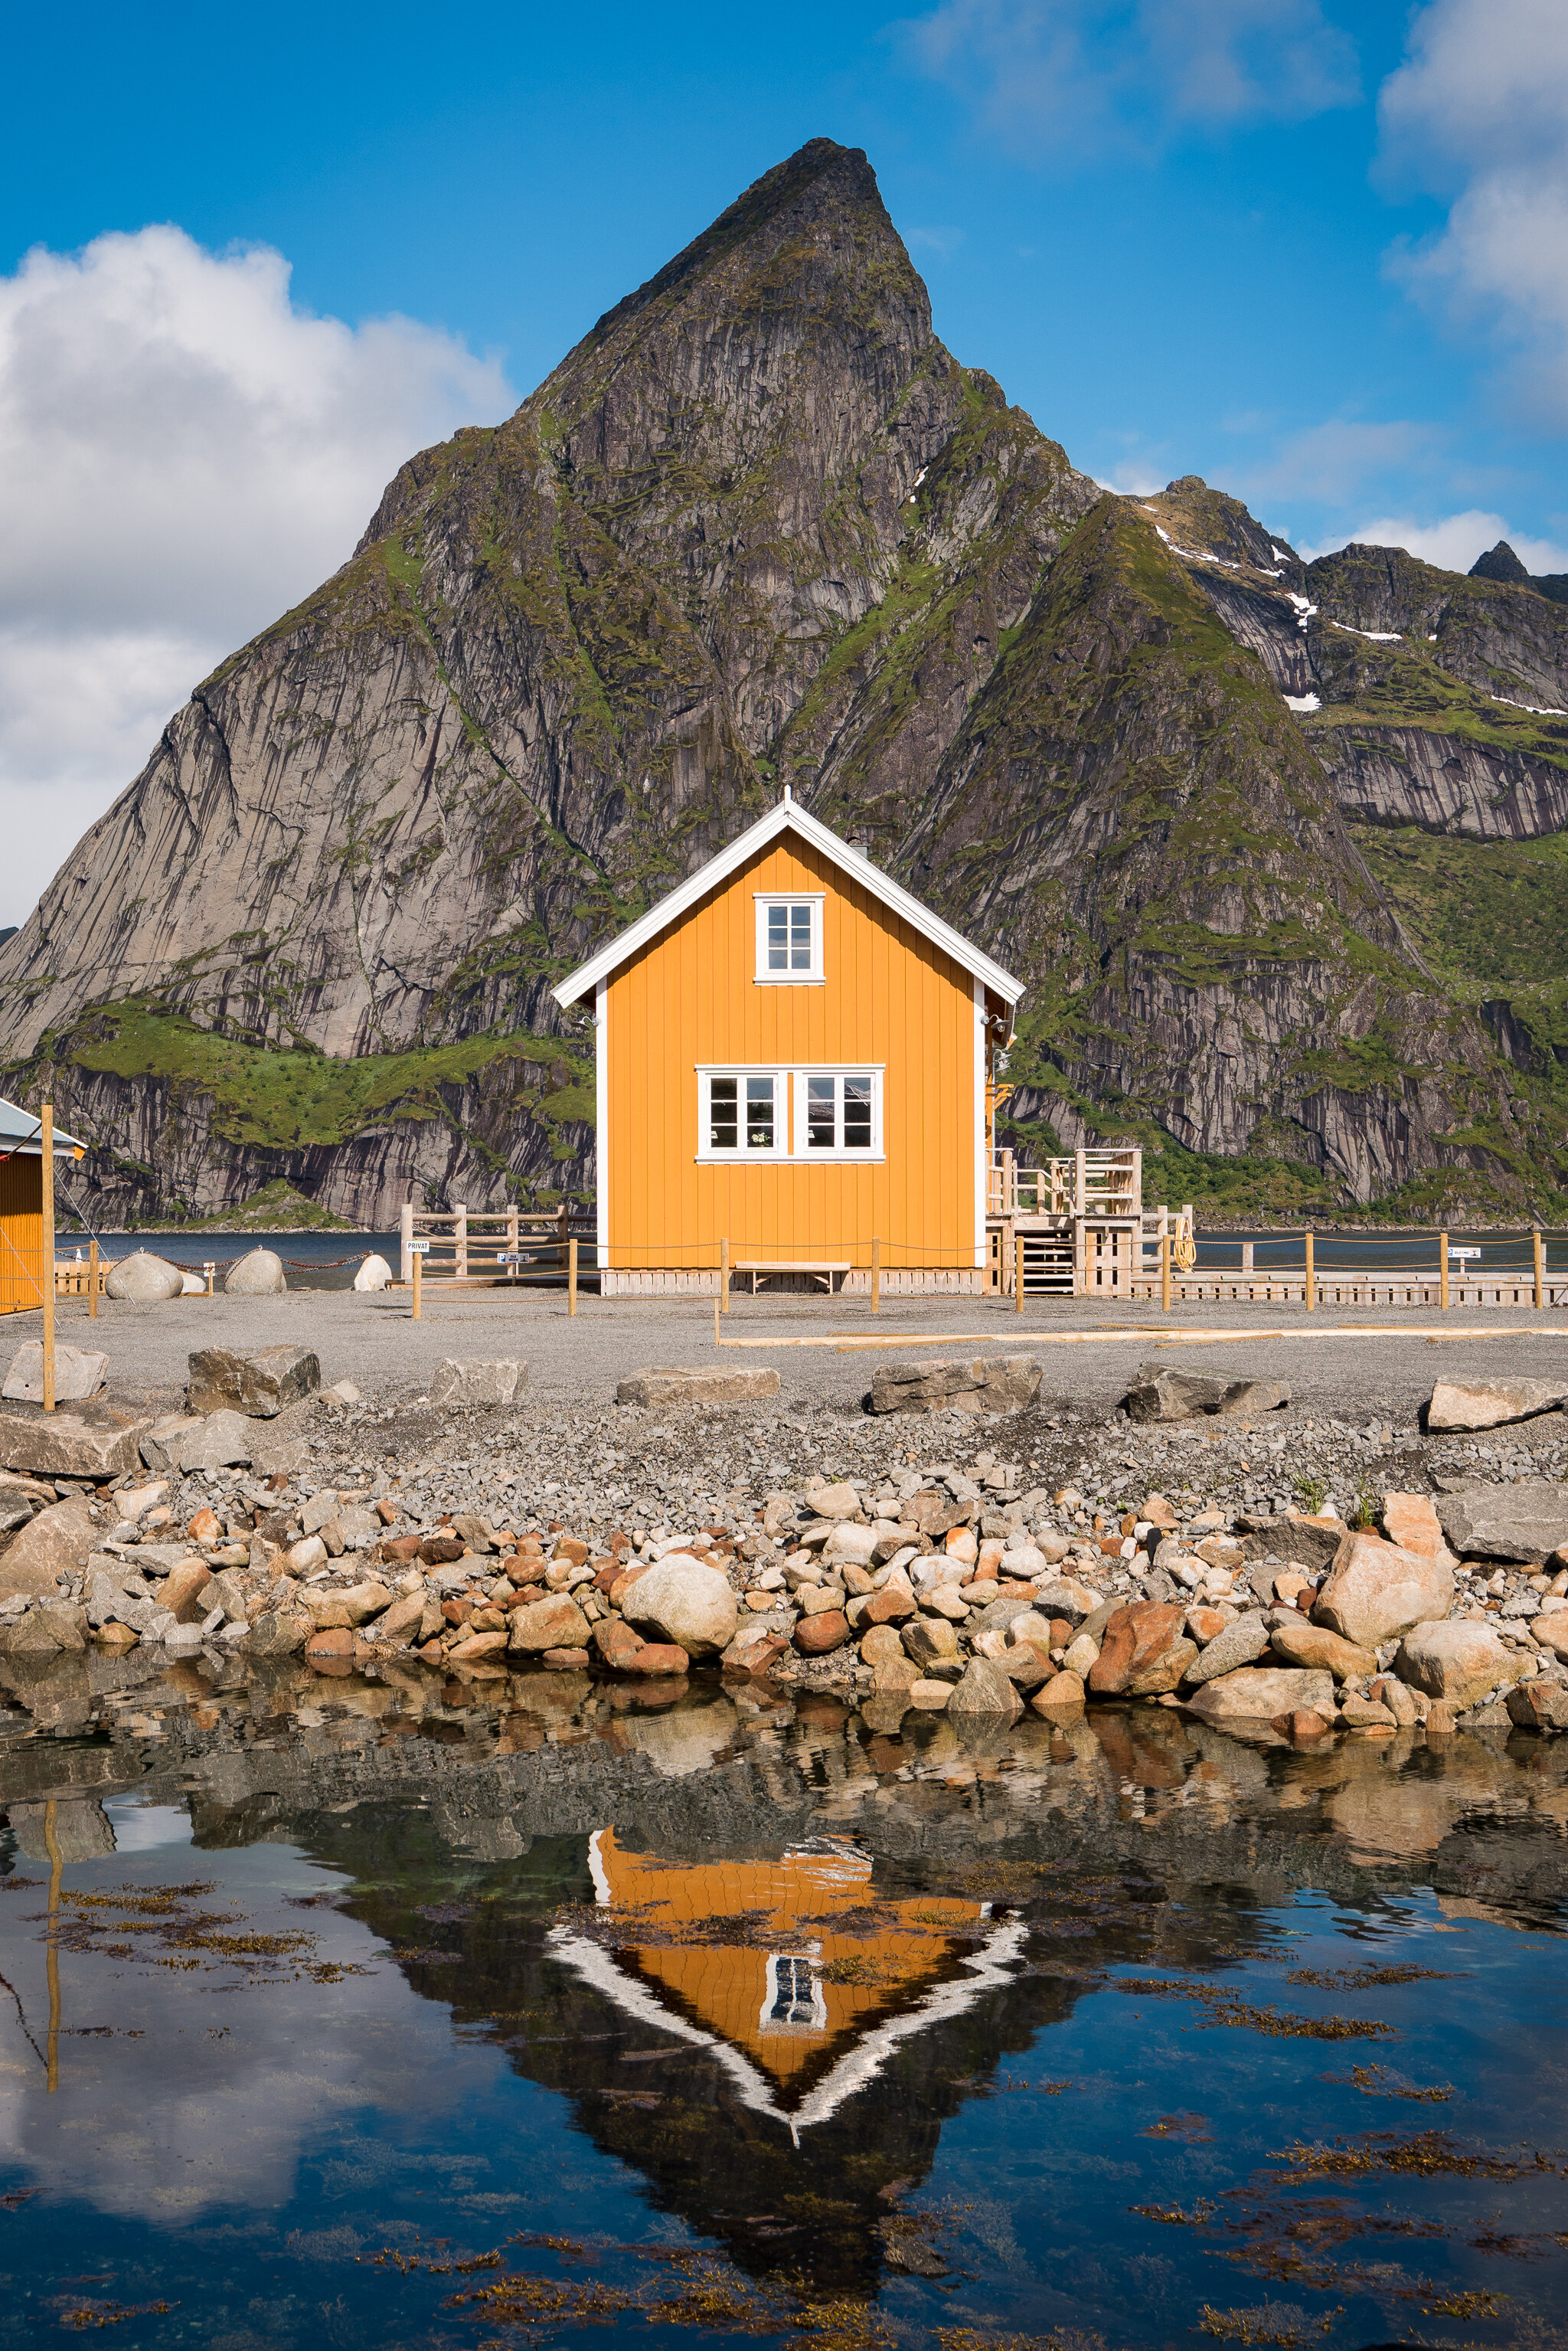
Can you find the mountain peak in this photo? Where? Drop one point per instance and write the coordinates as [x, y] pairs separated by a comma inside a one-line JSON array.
[[1500, 563]]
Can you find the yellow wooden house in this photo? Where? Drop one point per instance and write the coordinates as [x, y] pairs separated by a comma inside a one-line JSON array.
[[793, 1056], [22, 1205]]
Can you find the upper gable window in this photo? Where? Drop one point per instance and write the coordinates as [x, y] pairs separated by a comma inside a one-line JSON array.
[[788, 938]]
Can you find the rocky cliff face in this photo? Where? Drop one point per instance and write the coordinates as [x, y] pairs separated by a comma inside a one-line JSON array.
[[760, 525]]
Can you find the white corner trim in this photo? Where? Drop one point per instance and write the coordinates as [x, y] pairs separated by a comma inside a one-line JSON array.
[[789, 816], [980, 1184], [601, 1116]]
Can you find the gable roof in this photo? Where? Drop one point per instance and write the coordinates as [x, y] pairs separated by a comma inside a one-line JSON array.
[[789, 817], [21, 1133]]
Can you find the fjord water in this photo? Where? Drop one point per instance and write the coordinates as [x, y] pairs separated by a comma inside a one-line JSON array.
[[357, 2014]]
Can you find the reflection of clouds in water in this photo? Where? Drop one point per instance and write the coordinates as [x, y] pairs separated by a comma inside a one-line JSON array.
[[165, 2126], [142, 1828]]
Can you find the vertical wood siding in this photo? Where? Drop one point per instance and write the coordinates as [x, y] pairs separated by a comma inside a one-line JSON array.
[[890, 998], [21, 1233]]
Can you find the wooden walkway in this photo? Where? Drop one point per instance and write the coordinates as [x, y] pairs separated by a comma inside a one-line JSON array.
[[1509, 1290]]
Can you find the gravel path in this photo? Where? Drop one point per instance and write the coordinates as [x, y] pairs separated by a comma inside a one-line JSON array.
[[1348, 1367]]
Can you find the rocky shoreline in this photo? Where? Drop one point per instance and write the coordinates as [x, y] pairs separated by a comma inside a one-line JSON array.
[[901, 1564]]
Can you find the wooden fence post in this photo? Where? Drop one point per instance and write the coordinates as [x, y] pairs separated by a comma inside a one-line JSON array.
[[512, 1267], [1165, 1265], [571, 1277], [1017, 1273], [876, 1275], [460, 1243], [417, 1263], [1540, 1267], [406, 1233], [46, 1180], [1443, 1271], [92, 1277], [1311, 1276]]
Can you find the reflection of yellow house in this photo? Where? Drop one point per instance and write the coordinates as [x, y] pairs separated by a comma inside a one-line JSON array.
[[802, 2011]]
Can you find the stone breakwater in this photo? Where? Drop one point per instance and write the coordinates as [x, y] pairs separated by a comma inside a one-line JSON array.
[[1070, 1564]]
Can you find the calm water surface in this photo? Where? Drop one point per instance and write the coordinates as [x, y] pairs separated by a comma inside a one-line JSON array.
[[383, 2014]]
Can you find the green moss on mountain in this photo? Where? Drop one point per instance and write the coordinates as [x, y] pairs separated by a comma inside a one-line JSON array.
[[286, 1100], [1490, 918]]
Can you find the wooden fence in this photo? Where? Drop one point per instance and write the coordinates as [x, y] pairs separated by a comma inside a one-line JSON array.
[[483, 1247]]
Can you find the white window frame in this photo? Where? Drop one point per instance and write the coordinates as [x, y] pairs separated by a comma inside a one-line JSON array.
[[839, 1155], [816, 900], [791, 1121], [740, 1156]]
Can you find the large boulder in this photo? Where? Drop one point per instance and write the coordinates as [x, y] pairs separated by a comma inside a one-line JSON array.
[[373, 1274], [1538, 1705], [557, 1623], [59, 1539], [1456, 1662], [143, 1279], [493, 1383], [1487, 1404], [987, 1383], [1144, 1653], [1238, 1645], [259, 1382], [1159, 1393], [258, 1274], [1259, 1693], [1411, 1520], [1375, 1591], [58, 1445], [674, 1384], [1522, 1522], [683, 1599], [79, 1373], [217, 1440], [986, 1690], [1297, 1643]]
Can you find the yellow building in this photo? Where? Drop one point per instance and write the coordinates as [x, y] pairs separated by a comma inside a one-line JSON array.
[[793, 1058], [22, 1205]]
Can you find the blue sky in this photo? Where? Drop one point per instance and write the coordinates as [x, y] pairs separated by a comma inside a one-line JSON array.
[[1316, 253]]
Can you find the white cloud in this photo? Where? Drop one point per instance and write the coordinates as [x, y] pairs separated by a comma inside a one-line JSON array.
[[943, 242], [1053, 77], [1452, 541], [1333, 460], [1479, 114], [184, 454]]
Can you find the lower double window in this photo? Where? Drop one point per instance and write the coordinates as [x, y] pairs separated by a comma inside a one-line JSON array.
[[799, 1114]]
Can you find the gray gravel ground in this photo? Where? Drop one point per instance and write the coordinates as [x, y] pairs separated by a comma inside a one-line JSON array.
[[1356, 1366]]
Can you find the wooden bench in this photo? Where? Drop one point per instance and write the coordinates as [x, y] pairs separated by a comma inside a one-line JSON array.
[[820, 1270]]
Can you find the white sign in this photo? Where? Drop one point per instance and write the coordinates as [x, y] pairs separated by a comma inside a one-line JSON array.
[[515, 1257], [419, 1248], [1463, 1252]]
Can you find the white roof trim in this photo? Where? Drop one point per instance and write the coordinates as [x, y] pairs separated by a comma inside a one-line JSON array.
[[789, 816]]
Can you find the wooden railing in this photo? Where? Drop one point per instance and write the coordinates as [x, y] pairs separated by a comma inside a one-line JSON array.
[[1092, 1183], [485, 1244]]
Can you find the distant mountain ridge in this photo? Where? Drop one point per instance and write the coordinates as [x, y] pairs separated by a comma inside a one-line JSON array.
[[1277, 845]]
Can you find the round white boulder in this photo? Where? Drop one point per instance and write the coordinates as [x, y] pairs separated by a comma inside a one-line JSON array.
[[143, 1279], [258, 1274], [374, 1274], [685, 1601]]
